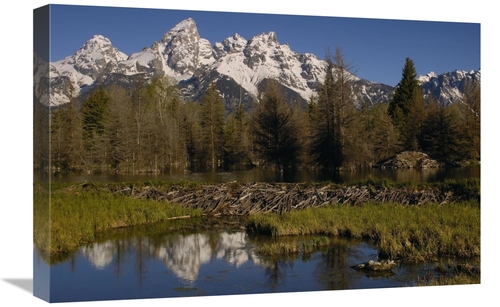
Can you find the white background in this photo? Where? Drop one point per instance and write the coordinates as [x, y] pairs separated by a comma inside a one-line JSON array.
[[16, 151]]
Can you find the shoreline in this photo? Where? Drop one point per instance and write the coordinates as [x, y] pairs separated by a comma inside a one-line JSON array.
[[79, 212]]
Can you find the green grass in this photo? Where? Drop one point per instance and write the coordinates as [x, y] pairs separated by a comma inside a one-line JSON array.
[[410, 233], [77, 215], [304, 245], [460, 274]]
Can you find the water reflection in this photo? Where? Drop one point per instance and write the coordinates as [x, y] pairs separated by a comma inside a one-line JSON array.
[[100, 254], [171, 261], [180, 253], [259, 175], [185, 254]]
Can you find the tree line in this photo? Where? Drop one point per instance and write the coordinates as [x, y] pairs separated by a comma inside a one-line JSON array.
[[150, 128]]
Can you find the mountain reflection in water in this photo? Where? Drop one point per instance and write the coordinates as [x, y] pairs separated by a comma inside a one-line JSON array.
[[185, 254], [175, 262]]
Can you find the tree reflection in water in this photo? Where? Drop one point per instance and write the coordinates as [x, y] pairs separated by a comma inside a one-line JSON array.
[[171, 260]]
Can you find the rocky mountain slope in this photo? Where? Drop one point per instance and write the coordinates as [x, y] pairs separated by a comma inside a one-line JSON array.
[[238, 66], [447, 88]]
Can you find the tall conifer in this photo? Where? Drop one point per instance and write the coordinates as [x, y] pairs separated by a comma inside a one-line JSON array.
[[94, 117], [324, 144], [212, 125], [407, 99], [275, 130], [331, 143]]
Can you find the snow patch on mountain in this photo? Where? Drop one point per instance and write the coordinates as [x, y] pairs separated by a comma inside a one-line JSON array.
[[81, 69], [448, 88], [238, 65], [426, 78]]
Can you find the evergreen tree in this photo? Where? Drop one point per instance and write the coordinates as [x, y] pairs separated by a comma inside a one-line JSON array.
[[325, 145], [191, 132], [333, 138], [170, 151], [302, 119], [237, 143], [94, 117], [94, 112], [441, 134], [119, 130], [142, 126], [311, 122], [41, 137], [405, 105], [66, 137], [415, 119], [350, 151], [212, 125], [382, 135], [275, 132]]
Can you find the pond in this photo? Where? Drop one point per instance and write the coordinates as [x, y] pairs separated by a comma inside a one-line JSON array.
[[260, 175], [181, 259]]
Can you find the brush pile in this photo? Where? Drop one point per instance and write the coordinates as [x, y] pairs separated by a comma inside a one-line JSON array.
[[250, 198]]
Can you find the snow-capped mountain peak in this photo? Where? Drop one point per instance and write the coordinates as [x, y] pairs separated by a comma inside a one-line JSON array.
[[425, 78], [97, 49], [179, 53], [183, 50], [238, 66], [233, 44], [97, 41], [269, 39], [448, 87], [82, 68], [186, 27]]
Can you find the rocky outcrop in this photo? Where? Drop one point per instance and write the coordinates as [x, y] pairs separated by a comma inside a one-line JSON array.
[[410, 159]]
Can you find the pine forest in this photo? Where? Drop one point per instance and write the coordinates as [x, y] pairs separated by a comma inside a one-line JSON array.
[[149, 128]]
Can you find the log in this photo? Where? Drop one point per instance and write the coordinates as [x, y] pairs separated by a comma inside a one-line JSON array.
[[179, 217]]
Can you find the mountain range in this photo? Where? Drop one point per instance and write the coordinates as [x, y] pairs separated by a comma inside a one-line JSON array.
[[238, 66]]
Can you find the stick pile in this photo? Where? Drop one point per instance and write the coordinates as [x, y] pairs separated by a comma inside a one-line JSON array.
[[243, 199]]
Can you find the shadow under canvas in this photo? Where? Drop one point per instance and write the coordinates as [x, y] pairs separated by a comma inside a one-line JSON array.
[[22, 283]]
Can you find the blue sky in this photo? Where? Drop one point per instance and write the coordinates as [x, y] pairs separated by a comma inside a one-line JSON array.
[[377, 48]]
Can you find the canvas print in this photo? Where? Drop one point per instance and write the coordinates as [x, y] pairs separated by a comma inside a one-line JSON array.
[[189, 153]]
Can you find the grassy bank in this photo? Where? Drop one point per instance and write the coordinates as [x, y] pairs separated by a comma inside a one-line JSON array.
[[409, 233], [77, 215], [461, 274]]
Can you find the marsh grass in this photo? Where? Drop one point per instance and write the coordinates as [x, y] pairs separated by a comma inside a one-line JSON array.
[[410, 233], [76, 215], [458, 274], [303, 245]]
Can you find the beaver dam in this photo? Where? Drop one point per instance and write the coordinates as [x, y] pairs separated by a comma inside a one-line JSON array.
[[250, 198]]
